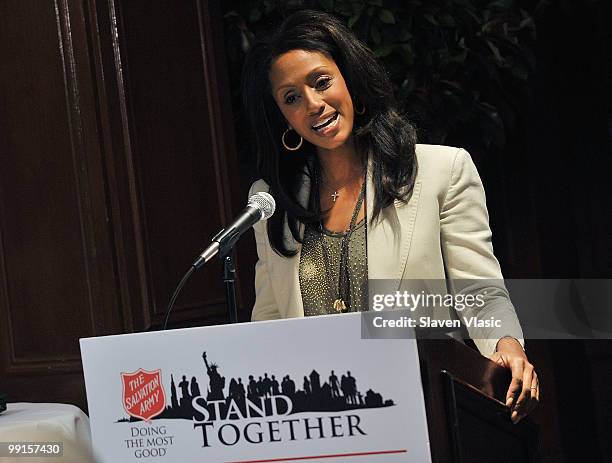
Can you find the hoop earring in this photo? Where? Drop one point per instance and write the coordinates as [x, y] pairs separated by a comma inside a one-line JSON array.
[[362, 112], [291, 148]]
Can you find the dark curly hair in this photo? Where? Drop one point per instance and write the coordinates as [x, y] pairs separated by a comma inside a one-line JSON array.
[[381, 133]]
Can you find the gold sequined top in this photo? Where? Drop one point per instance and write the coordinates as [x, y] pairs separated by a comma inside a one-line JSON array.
[[319, 285]]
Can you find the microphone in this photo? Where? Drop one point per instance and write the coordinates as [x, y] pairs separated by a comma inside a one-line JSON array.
[[261, 206]]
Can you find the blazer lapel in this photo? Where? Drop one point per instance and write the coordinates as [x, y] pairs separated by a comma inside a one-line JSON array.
[[390, 236]]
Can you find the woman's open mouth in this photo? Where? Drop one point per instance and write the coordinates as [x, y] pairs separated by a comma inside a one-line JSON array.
[[329, 122]]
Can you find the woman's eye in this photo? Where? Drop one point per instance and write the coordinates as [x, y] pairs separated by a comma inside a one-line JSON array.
[[323, 83], [290, 99]]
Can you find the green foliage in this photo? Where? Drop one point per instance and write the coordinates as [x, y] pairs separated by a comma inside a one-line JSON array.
[[459, 67]]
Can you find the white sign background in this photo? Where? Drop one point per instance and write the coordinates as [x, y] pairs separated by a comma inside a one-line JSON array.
[[280, 347]]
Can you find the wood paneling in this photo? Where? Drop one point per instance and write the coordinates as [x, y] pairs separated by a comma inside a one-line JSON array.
[[115, 172], [172, 148], [52, 212]]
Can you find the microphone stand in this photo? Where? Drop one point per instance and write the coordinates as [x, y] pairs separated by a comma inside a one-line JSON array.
[[229, 280]]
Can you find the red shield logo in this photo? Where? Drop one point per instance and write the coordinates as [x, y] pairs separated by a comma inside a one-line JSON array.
[[143, 393]]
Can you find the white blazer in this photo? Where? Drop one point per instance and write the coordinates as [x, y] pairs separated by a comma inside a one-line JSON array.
[[442, 233]]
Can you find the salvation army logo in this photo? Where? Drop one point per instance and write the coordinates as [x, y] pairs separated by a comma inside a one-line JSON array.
[[143, 394]]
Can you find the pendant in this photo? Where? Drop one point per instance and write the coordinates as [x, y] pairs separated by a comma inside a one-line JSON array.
[[339, 305], [335, 195]]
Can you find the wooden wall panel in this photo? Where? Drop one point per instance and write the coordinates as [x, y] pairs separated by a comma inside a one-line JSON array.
[[49, 221], [114, 172], [182, 202], [57, 280], [40, 213]]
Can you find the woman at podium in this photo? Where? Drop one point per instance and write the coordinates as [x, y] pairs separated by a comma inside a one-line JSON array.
[[357, 198]]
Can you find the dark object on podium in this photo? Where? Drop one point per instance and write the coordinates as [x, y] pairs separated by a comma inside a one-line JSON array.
[[467, 418], [2, 402]]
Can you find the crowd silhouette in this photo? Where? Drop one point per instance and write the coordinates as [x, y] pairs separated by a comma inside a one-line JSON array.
[[335, 394]]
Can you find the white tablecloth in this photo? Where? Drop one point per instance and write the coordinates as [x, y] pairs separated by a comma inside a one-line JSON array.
[[47, 422]]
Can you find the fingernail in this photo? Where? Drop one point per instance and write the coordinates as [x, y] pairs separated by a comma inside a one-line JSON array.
[[514, 417], [509, 402]]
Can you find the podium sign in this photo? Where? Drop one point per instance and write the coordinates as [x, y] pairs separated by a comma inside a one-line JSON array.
[[278, 391]]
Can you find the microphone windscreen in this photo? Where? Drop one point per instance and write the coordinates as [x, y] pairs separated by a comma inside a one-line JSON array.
[[264, 202]]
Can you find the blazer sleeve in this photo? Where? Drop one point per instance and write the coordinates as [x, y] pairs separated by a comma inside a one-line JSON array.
[[471, 266], [265, 307]]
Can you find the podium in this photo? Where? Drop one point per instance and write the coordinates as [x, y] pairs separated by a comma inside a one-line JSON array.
[[467, 418], [291, 390]]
